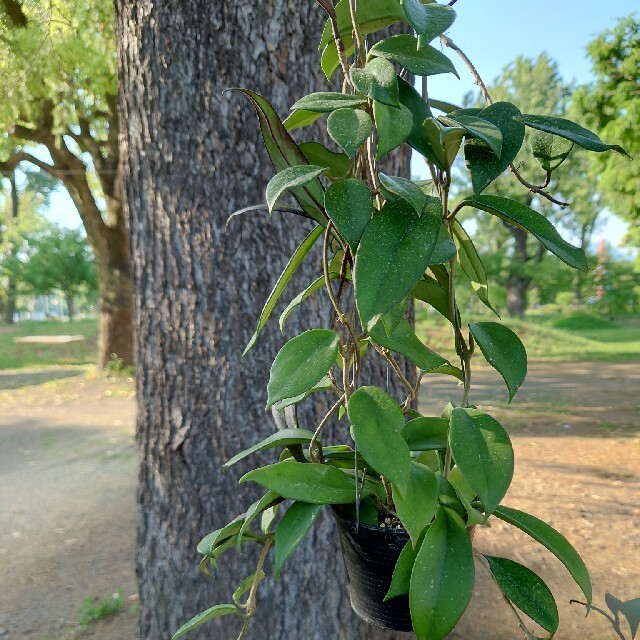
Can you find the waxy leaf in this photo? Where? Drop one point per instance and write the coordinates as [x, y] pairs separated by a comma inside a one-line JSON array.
[[338, 164], [445, 249], [403, 49], [442, 577], [535, 223], [479, 128], [482, 450], [210, 614], [282, 438], [445, 107], [349, 128], [330, 61], [292, 529], [325, 102], [324, 385], [300, 119], [553, 541], [394, 252], [434, 294], [302, 363], [445, 141], [484, 165], [284, 152], [268, 500], [527, 591], [397, 187], [393, 125], [429, 20], [314, 483], [426, 434], [401, 579], [571, 131], [376, 418], [290, 178], [292, 266], [377, 80], [417, 506], [549, 150], [213, 540], [629, 609], [349, 204], [504, 351], [303, 295]]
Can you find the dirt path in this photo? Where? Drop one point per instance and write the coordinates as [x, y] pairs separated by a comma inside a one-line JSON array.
[[68, 476]]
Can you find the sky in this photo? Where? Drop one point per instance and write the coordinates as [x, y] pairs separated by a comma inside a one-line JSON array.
[[493, 33]]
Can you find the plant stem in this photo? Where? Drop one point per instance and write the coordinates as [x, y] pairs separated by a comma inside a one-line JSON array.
[[314, 440], [357, 36], [394, 365], [448, 42], [333, 18]]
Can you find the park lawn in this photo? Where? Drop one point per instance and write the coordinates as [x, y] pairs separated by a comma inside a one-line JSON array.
[[574, 337], [17, 356]]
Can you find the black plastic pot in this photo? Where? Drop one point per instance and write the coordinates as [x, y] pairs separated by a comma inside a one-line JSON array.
[[370, 555]]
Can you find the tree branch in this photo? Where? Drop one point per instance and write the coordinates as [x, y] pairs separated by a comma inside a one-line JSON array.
[[22, 156]]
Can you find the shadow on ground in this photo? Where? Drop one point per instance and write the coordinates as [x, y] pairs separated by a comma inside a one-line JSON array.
[[15, 380]]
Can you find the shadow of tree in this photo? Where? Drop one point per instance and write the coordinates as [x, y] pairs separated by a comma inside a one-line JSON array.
[[31, 378]]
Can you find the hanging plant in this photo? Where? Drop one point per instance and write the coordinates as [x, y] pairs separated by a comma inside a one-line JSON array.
[[407, 490]]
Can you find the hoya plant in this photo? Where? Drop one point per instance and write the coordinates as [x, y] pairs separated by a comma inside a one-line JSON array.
[[414, 486]]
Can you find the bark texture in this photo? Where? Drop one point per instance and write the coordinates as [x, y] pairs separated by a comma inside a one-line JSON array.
[[191, 157]]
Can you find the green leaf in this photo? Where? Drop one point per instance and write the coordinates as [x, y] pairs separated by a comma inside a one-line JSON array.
[[302, 363], [300, 119], [533, 222], [314, 483], [378, 81], [527, 591], [442, 577], [246, 585], [481, 129], [466, 495], [324, 385], [349, 204], [290, 178], [393, 125], [629, 609], [376, 418], [398, 187], [482, 162], [445, 249], [571, 131], [292, 529], [282, 438], [549, 150], [403, 49], [303, 295], [292, 266], [401, 578], [471, 263], [330, 60], [393, 254], [445, 107], [426, 434], [208, 544], [404, 341], [445, 141], [482, 450], [429, 291], [504, 351], [553, 541], [417, 506], [429, 20], [284, 152], [338, 164], [349, 128], [269, 499], [327, 101], [210, 614]]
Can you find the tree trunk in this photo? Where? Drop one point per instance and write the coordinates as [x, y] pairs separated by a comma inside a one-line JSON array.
[[70, 308], [517, 281], [190, 158], [10, 307]]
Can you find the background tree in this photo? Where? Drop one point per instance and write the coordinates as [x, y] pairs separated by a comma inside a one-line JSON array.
[[59, 108], [190, 158]]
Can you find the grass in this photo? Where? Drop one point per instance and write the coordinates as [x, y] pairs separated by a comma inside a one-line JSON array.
[[94, 609], [572, 337], [17, 356]]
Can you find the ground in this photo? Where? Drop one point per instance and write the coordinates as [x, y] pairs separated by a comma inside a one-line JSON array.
[[68, 478]]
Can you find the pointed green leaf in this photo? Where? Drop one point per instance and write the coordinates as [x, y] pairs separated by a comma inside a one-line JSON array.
[[210, 614], [292, 529], [398, 187], [403, 49], [536, 224], [417, 506], [325, 384], [482, 162], [314, 483], [445, 141], [445, 107], [246, 585], [429, 291], [349, 204], [208, 544], [504, 351], [290, 178], [426, 434], [378, 81], [292, 266], [269, 499], [552, 540], [302, 363], [282, 438], [549, 150], [326, 101], [429, 20], [482, 450], [349, 128], [394, 252], [401, 578], [445, 249], [442, 577], [330, 61], [629, 609], [338, 164], [571, 131], [393, 125], [376, 419], [526, 590], [303, 295], [481, 129], [300, 119]]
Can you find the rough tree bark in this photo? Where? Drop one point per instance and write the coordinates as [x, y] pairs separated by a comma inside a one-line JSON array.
[[190, 158]]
